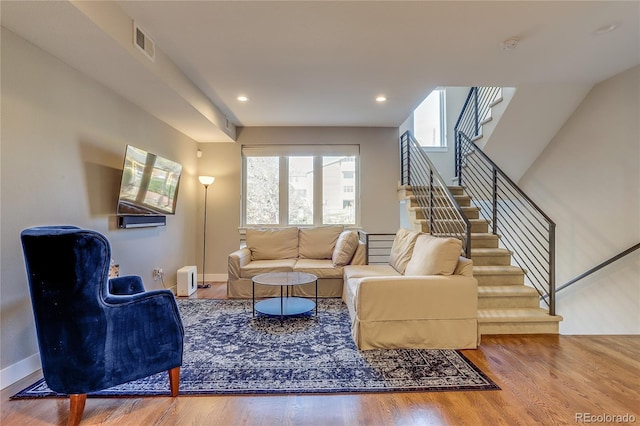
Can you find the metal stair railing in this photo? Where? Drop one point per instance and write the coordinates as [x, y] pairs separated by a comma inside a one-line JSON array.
[[475, 111], [523, 227], [599, 267], [435, 201]]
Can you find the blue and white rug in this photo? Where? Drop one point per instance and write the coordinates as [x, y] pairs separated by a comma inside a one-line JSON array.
[[228, 352]]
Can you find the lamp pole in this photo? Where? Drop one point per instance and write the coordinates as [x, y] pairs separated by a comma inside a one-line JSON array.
[[206, 181]]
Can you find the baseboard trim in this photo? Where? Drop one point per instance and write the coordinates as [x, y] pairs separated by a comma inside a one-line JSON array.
[[216, 277], [19, 370]]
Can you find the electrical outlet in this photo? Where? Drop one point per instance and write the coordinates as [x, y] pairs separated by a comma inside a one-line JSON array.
[[158, 274]]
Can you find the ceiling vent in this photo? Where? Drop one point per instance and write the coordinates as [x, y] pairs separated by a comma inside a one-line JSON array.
[[143, 42]]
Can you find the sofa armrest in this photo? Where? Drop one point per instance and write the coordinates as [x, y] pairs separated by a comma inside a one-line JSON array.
[[417, 297], [236, 261]]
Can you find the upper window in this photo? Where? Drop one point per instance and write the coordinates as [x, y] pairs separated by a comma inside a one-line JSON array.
[[300, 185], [429, 119]]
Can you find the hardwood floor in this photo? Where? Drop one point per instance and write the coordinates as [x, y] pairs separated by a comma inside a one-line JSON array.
[[545, 380]]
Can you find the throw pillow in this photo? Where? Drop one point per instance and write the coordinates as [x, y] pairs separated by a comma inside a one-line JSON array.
[[402, 248], [434, 256], [345, 248], [318, 242], [268, 244]]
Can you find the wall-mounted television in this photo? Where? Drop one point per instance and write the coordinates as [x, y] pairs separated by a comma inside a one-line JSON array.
[[149, 184]]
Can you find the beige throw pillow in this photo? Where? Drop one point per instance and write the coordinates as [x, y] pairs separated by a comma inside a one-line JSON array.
[[402, 248], [434, 256], [318, 242], [268, 244], [345, 248]]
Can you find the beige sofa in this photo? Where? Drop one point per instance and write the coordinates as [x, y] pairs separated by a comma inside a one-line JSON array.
[[426, 297], [322, 251]]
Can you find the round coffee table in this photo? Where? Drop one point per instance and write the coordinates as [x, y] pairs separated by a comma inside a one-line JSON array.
[[284, 305]]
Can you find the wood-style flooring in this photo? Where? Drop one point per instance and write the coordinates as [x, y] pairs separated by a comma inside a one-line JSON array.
[[545, 380]]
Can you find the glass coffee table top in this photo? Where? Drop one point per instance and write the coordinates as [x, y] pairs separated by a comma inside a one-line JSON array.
[[285, 305], [284, 278]]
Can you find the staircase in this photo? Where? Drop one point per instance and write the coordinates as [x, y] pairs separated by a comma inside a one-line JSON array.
[[506, 305]]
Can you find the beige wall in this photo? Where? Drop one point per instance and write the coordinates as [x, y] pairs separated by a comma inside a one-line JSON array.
[[588, 180], [63, 139], [378, 181]]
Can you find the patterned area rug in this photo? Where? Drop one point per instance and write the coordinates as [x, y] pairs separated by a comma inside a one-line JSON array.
[[227, 351]]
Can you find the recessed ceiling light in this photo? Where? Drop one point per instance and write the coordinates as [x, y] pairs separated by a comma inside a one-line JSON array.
[[381, 98], [509, 44], [605, 29], [242, 98]]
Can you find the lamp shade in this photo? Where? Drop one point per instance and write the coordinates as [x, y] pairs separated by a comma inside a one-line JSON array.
[[206, 180]]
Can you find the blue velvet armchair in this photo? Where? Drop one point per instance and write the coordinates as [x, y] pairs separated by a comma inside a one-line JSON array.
[[95, 332]]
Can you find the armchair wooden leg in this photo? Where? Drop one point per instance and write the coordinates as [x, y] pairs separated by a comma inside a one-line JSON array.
[[174, 380], [76, 408]]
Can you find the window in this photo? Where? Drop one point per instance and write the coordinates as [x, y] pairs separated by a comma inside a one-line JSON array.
[[300, 190], [429, 119], [334, 208], [300, 185], [263, 184]]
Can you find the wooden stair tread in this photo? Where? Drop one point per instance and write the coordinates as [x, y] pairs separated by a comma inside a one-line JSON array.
[[484, 235], [516, 314], [471, 221], [506, 290], [463, 208], [497, 270], [455, 189], [481, 251]]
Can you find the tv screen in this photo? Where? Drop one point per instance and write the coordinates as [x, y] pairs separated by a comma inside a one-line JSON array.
[[149, 184]]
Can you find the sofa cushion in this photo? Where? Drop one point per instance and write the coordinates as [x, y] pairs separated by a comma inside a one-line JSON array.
[[256, 267], [268, 244], [321, 268], [434, 256], [464, 267], [360, 271], [345, 248], [402, 248], [318, 242]]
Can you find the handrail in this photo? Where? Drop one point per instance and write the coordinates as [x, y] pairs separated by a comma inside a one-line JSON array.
[[600, 266], [377, 246], [436, 202], [475, 111], [525, 229]]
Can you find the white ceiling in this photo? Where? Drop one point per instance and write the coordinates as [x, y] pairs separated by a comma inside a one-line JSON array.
[[321, 63]]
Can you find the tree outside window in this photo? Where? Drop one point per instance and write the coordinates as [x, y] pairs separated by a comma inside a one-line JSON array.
[[263, 183]]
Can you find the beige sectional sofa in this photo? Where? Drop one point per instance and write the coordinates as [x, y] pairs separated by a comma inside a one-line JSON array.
[[322, 251], [426, 297]]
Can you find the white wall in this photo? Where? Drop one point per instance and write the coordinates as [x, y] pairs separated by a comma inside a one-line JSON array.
[[379, 172], [63, 139], [534, 114], [587, 179]]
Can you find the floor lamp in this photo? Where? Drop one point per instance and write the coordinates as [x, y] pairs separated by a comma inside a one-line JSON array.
[[206, 181]]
